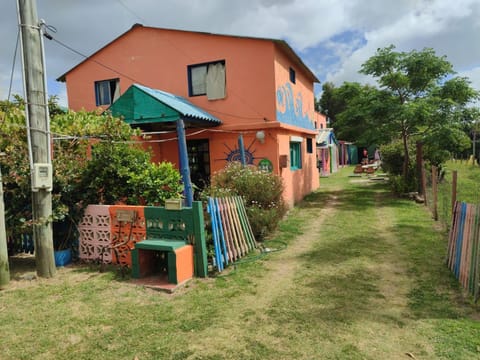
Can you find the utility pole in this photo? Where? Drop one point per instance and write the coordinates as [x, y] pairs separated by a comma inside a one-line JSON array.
[[4, 268], [36, 108]]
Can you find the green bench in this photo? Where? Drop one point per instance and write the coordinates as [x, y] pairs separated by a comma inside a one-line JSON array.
[[178, 237]]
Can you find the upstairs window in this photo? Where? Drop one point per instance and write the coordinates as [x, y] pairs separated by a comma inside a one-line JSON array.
[[207, 79], [107, 91], [292, 76]]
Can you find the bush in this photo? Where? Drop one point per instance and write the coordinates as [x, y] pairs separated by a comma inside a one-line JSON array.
[[392, 163], [117, 171], [262, 192]]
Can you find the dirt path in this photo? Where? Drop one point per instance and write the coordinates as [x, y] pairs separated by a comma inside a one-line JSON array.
[[338, 296], [251, 310]]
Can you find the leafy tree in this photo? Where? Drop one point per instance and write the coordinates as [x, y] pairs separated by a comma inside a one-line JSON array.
[[422, 96]]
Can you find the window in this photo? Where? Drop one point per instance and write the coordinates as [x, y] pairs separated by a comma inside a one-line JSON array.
[[309, 145], [106, 91], [295, 155], [207, 79], [292, 76]]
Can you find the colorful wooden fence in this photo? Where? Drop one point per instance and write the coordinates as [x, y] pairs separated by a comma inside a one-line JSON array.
[[232, 235], [463, 246]]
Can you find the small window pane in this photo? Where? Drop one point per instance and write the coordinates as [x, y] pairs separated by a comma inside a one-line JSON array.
[[105, 91], [309, 145], [295, 156], [198, 77], [292, 75]]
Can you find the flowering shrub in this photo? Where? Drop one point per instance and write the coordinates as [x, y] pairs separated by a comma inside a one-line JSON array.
[[262, 192]]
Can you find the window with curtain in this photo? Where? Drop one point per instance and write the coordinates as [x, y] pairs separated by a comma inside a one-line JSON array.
[[107, 91], [207, 79]]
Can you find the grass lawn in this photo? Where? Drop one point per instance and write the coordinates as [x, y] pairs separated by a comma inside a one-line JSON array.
[[362, 277]]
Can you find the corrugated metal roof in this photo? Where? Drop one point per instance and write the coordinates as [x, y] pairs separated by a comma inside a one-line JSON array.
[[180, 104], [325, 137], [143, 105]]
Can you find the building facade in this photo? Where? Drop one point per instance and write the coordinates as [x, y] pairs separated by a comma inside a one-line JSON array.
[[259, 88]]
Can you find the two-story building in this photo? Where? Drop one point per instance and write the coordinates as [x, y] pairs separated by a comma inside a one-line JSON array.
[[258, 88]]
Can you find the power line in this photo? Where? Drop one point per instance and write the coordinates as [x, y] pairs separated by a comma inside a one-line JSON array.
[[13, 65], [95, 61], [131, 11], [50, 37]]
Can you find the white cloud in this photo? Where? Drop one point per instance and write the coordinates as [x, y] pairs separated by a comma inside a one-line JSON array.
[[449, 28], [334, 36]]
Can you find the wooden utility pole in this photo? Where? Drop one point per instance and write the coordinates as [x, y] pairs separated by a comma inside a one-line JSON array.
[[4, 268], [36, 107]]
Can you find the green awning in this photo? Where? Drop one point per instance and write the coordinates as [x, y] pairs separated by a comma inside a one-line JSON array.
[[143, 105]]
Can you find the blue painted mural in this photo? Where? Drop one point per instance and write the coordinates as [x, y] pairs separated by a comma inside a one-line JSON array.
[[290, 108]]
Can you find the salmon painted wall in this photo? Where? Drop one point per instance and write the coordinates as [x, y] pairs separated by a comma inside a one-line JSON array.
[[158, 58], [320, 120], [295, 100], [223, 147], [302, 181], [258, 87]]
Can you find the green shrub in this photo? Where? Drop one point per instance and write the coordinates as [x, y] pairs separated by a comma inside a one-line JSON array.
[[118, 171], [392, 163], [262, 192]]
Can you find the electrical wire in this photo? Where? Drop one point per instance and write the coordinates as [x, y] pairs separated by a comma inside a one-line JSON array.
[[13, 65], [131, 11], [11, 75], [50, 37]]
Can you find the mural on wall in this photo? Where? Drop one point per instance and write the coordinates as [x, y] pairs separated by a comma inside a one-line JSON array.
[[290, 108], [233, 154]]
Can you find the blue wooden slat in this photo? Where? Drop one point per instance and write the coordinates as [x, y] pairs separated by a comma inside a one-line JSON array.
[[218, 257], [222, 235]]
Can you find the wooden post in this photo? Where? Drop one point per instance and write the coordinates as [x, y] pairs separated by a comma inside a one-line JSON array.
[[454, 188], [420, 188], [4, 268], [434, 193], [424, 184], [36, 107]]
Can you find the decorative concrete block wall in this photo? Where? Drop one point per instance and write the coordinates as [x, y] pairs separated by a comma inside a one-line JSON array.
[[95, 233]]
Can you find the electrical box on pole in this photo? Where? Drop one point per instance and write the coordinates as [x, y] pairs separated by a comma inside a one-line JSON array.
[[38, 127], [42, 177]]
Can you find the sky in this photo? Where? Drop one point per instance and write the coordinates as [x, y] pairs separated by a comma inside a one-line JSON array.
[[333, 37]]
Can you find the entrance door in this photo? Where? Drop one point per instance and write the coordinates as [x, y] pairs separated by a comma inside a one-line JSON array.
[[199, 162]]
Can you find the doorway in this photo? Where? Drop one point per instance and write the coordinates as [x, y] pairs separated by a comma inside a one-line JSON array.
[[199, 162]]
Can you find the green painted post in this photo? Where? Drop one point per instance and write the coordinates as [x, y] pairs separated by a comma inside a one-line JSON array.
[[200, 246]]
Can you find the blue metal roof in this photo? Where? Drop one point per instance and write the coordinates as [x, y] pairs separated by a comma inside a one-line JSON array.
[[185, 108]]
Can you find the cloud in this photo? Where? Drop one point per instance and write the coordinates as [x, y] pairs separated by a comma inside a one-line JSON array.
[[333, 37], [450, 30]]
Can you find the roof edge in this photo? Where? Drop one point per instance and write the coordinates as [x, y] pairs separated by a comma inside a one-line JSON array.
[[282, 44]]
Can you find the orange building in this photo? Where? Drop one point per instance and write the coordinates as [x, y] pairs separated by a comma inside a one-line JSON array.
[[258, 88]]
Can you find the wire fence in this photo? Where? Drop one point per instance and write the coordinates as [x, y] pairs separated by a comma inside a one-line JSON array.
[[459, 181]]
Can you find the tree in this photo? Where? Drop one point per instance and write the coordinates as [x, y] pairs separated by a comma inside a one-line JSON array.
[[424, 98]]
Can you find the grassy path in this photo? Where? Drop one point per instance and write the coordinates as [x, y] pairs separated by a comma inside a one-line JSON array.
[[362, 278]]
